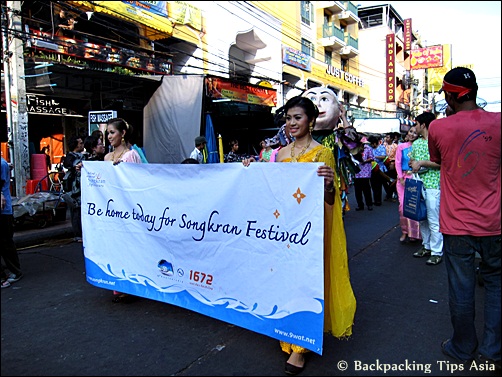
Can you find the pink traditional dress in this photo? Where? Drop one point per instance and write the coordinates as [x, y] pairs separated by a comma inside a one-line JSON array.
[[408, 226]]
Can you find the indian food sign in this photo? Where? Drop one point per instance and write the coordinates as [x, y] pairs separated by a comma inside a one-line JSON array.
[[429, 57], [390, 61]]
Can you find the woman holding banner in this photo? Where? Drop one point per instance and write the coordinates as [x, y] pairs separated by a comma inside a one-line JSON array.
[[339, 300], [119, 134]]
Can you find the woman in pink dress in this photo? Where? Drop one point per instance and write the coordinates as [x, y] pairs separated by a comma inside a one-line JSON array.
[[119, 134], [409, 228]]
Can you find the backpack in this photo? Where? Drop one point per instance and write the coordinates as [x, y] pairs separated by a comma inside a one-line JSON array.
[[68, 179]]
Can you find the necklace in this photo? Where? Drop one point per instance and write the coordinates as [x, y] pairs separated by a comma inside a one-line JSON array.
[[120, 155], [302, 152]]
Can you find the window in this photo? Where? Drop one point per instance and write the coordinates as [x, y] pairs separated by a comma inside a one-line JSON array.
[[307, 12], [327, 57], [345, 65], [307, 47]]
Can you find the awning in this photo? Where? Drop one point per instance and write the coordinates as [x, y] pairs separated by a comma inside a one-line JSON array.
[[405, 125], [407, 122], [158, 27]]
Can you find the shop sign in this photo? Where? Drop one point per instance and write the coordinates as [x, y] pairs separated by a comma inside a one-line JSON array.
[[97, 119], [296, 58], [217, 88], [341, 74], [407, 34], [435, 79], [390, 61], [184, 13], [429, 57], [37, 104], [157, 7]]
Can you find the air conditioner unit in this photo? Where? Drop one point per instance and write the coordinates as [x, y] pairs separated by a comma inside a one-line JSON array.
[[44, 44], [345, 50]]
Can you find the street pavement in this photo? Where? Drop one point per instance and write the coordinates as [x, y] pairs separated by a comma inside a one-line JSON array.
[[55, 323]]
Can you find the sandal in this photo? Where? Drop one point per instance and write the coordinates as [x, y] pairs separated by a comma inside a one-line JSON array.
[[5, 284]]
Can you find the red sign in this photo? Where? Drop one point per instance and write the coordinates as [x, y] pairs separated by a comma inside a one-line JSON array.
[[429, 57], [407, 34], [218, 88], [390, 62]]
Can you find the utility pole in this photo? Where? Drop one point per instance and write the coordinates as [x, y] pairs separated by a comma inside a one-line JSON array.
[[15, 94]]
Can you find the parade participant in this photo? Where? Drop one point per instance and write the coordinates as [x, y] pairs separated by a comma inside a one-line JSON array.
[[362, 186], [378, 169], [233, 156], [342, 139], [71, 184], [390, 163], [410, 229], [467, 146], [339, 300], [266, 151], [119, 135], [432, 239], [94, 148]]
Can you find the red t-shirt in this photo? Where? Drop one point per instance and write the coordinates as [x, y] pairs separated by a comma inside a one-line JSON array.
[[467, 145]]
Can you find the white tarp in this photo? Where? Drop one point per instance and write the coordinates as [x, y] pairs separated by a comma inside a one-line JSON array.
[[172, 119], [377, 125], [197, 236]]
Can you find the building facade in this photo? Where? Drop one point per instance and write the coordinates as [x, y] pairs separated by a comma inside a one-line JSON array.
[[261, 53]]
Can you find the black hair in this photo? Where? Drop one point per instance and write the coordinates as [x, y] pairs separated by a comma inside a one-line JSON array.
[[73, 142], [90, 142], [98, 134], [373, 139], [189, 161], [425, 118], [121, 125], [306, 104]]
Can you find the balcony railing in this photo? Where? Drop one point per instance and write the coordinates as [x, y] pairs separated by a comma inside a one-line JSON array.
[[352, 42], [352, 8], [331, 30]]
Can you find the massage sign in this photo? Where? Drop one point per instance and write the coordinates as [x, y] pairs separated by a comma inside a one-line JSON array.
[[390, 71], [40, 104]]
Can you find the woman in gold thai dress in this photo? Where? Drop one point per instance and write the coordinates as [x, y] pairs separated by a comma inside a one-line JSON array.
[[339, 300]]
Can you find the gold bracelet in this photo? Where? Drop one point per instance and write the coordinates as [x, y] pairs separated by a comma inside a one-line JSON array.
[[330, 190]]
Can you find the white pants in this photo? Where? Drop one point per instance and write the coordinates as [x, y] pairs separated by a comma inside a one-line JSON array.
[[432, 239]]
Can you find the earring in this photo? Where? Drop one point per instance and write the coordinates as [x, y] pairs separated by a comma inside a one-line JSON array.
[[311, 127], [123, 140]]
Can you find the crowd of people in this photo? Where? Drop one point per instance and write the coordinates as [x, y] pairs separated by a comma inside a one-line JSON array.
[[456, 157]]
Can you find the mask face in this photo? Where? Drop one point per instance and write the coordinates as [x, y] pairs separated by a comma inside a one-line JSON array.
[[328, 105]]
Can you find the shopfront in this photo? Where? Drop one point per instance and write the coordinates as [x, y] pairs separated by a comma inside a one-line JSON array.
[[178, 110], [241, 112], [301, 72]]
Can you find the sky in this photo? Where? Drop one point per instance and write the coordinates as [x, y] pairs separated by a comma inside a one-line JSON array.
[[472, 28]]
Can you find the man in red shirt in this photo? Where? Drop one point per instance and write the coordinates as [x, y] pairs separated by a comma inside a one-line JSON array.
[[467, 146]]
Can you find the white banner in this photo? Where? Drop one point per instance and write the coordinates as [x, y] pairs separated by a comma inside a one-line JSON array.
[[243, 245]]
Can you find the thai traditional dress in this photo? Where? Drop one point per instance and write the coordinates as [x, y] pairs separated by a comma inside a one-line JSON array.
[[339, 300], [408, 226]]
